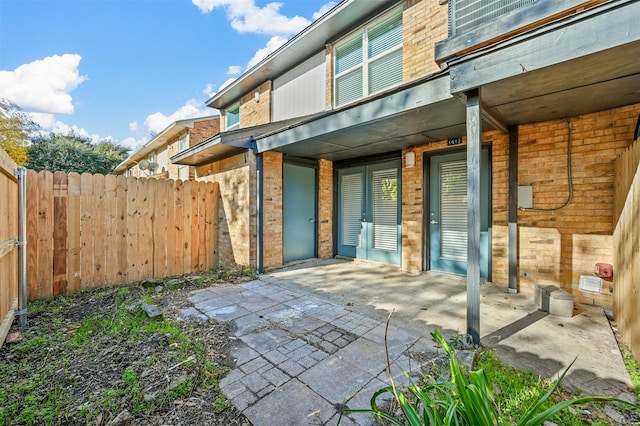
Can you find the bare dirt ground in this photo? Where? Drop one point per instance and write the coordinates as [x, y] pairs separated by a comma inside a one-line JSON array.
[[127, 376]]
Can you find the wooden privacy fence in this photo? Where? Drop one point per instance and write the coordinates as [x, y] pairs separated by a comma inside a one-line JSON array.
[[626, 240], [8, 236], [87, 231]]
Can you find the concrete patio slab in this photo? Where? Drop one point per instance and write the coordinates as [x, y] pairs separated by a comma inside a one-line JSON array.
[[310, 339]]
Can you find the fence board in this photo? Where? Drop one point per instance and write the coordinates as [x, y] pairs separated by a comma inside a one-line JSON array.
[[59, 233], [195, 242], [209, 246], [145, 205], [170, 228], [160, 231], [120, 198], [85, 231], [111, 230], [186, 225], [133, 242], [626, 239], [45, 234], [73, 231], [99, 240], [178, 225], [32, 234]]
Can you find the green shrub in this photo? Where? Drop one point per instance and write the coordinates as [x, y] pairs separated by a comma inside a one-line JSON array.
[[465, 399]]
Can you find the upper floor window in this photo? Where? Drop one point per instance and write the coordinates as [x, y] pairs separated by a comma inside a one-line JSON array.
[[183, 143], [233, 117], [369, 61]]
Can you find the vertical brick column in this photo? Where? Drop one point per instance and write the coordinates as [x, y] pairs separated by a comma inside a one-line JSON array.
[[412, 214], [325, 209], [272, 209]]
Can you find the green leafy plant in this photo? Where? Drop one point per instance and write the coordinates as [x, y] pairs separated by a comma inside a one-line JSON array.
[[465, 399]]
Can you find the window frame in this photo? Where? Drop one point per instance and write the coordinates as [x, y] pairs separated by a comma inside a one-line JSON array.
[[184, 138], [365, 62], [226, 117]]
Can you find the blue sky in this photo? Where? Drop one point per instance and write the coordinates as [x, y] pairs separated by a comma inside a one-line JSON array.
[[124, 69]]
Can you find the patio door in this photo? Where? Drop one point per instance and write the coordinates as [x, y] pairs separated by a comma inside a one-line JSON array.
[[369, 206], [448, 213], [298, 212]]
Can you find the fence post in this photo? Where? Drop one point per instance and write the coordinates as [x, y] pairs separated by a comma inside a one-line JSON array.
[[21, 173]]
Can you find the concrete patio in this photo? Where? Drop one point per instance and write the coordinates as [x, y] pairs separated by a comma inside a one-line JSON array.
[[310, 337]]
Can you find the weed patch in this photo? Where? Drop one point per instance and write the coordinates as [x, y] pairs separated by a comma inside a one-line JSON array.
[[87, 357]]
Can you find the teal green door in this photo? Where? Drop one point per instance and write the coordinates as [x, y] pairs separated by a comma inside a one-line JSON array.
[[298, 212], [448, 213], [369, 207]]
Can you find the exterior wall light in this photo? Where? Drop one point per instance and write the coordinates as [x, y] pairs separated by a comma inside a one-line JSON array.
[[410, 159]]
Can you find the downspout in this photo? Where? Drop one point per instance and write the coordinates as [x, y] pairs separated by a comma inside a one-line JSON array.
[[21, 173], [259, 209]]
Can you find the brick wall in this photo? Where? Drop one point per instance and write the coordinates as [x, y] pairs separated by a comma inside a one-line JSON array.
[[424, 22], [254, 113], [554, 247], [272, 209], [203, 130], [325, 209], [237, 207], [558, 247]]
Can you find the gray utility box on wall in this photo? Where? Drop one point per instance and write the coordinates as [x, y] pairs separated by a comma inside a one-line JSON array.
[[525, 197]]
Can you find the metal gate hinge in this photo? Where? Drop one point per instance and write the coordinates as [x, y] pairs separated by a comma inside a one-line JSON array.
[[18, 243]]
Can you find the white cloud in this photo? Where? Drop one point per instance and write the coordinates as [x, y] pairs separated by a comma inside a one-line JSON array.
[[246, 17], [324, 9], [157, 122], [234, 70], [209, 90], [133, 144], [43, 85], [45, 121], [133, 126], [273, 44]]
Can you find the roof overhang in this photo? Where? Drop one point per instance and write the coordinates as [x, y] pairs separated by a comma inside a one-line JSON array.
[[308, 42], [160, 140], [226, 144], [559, 70], [411, 115]]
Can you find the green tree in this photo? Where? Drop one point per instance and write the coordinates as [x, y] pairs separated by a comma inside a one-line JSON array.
[[74, 153], [15, 129]]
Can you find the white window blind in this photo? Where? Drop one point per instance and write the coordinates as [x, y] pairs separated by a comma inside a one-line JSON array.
[[352, 192], [357, 76], [385, 209], [453, 210]]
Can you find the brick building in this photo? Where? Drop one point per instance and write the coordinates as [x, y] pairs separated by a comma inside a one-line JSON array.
[[411, 133], [178, 136]]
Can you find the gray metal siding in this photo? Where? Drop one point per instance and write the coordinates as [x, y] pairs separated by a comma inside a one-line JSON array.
[[300, 91]]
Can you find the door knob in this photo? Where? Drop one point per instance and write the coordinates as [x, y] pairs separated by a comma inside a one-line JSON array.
[[433, 222], [312, 220]]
